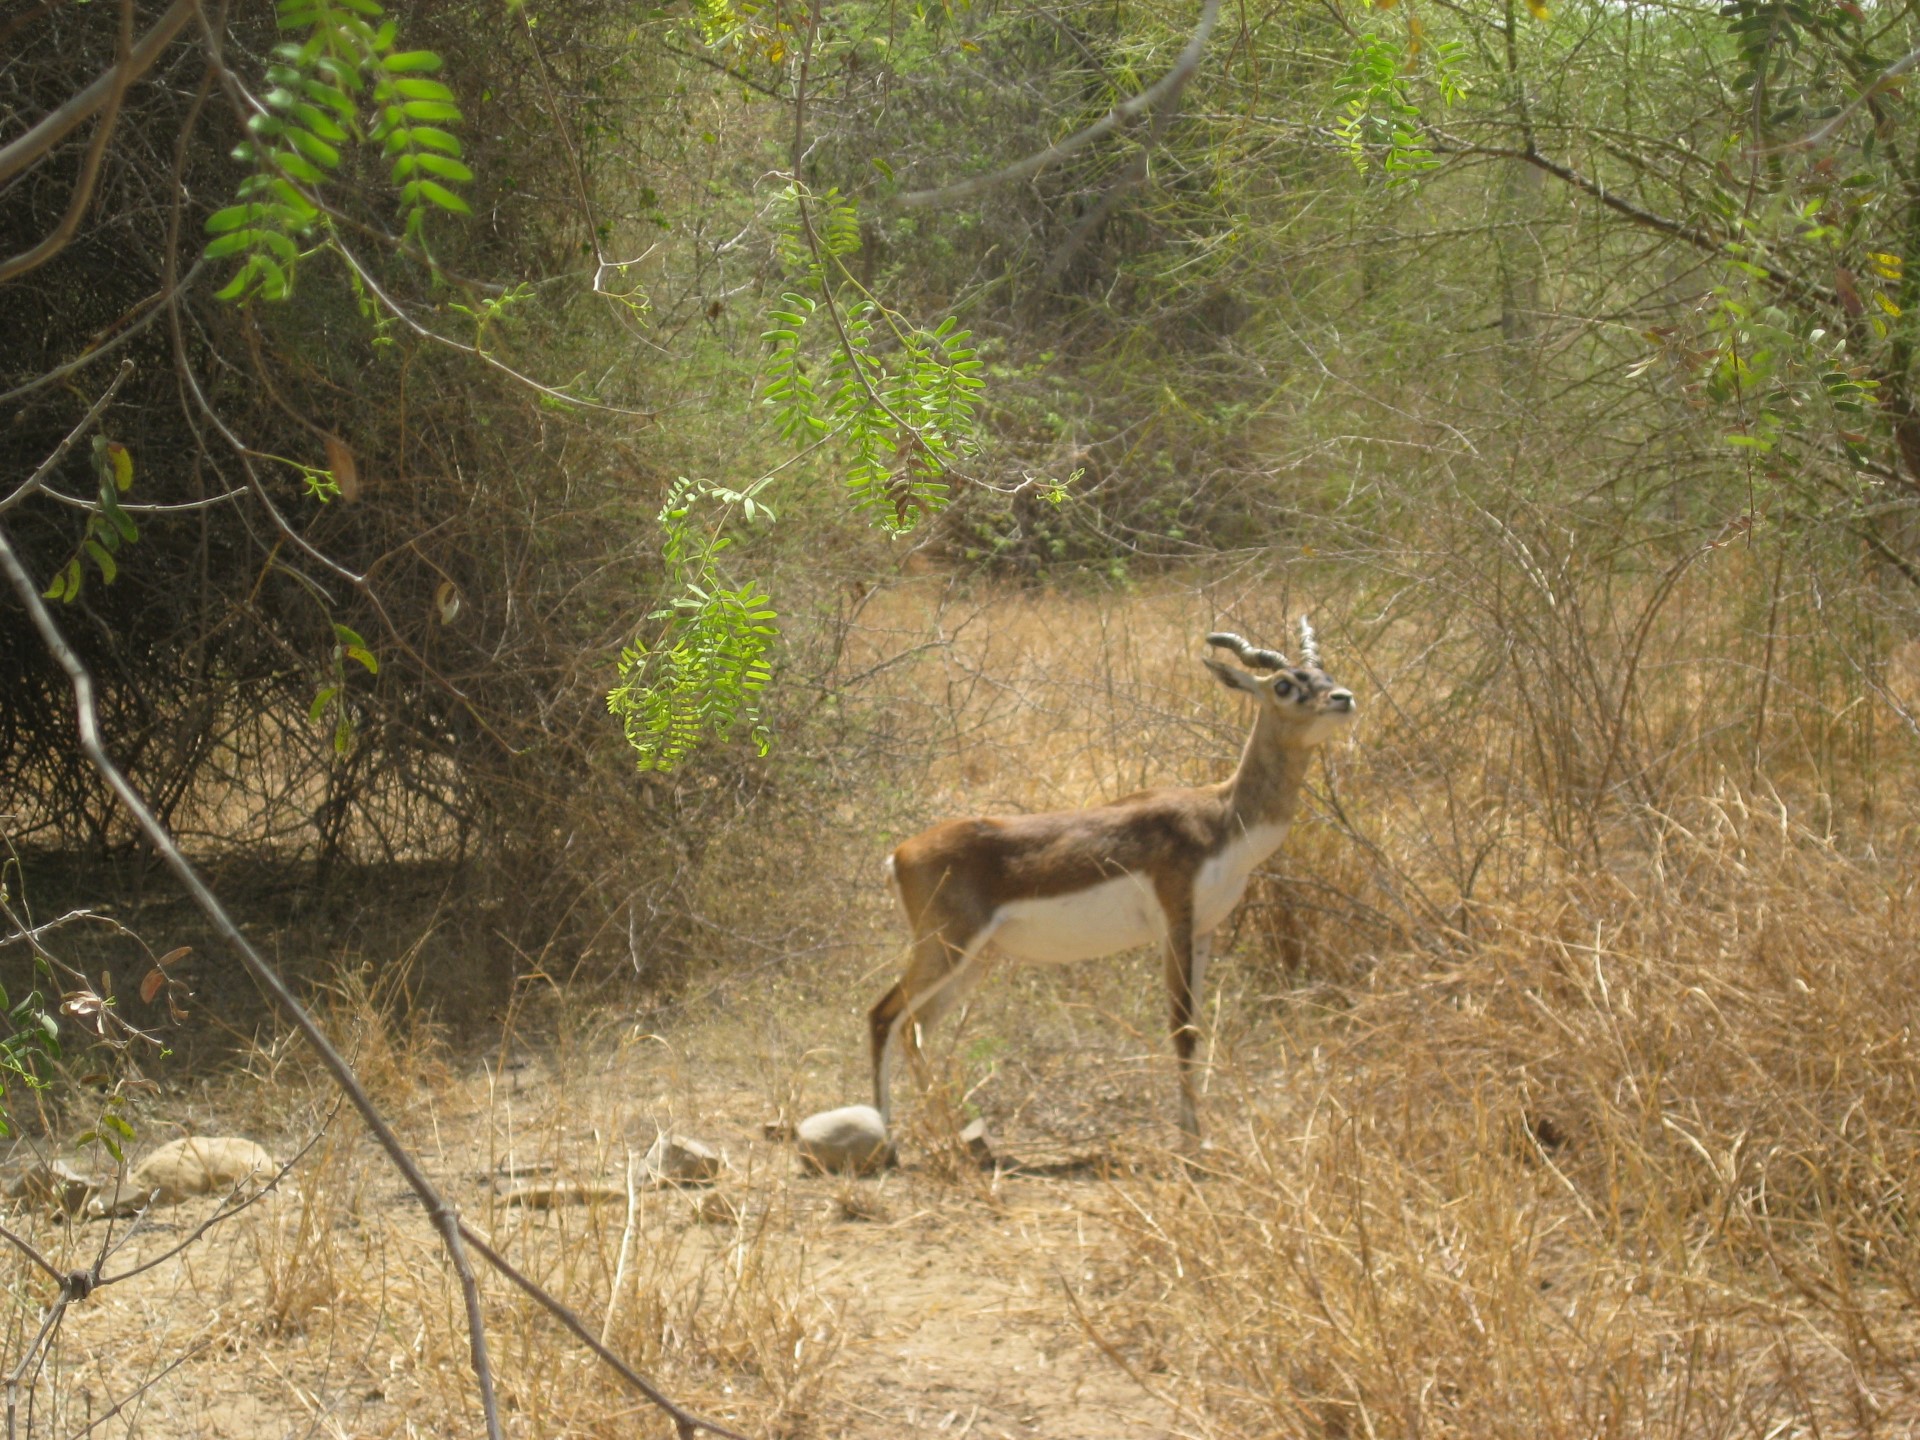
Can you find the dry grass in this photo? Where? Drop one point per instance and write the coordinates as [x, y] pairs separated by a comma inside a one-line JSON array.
[[1561, 1075]]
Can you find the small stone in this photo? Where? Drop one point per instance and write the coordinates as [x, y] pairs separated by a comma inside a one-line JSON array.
[[53, 1185], [675, 1160], [849, 1141], [973, 1140]]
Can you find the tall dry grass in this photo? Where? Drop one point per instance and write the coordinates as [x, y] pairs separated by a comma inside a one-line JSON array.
[[1564, 1079]]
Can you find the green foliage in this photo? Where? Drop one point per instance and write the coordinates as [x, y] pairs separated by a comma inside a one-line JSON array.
[[330, 702], [313, 112], [899, 398], [1379, 119], [107, 528], [701, 677]]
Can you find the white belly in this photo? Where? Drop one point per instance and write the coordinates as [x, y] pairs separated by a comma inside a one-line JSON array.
[[1115, 915], [1223, 879]]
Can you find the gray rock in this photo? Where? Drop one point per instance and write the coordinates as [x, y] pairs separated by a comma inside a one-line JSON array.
[[979, 1149], [676, 1160], [52, 1185], [849, 1141]]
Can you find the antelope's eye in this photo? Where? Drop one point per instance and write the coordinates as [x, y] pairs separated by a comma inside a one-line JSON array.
[[1282, 686]]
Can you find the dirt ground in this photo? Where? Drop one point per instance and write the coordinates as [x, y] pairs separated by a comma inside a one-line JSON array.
[[940, 1298]]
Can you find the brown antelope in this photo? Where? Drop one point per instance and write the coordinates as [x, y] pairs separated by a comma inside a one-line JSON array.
[[1163, 865]]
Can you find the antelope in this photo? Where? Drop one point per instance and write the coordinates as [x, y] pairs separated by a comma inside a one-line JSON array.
[[1165, 865]]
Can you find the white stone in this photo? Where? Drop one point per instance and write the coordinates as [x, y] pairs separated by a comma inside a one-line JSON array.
[[676, 1160], [851, 1141], [978, 1148]]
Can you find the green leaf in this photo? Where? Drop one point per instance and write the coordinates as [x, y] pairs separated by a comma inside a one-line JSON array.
[[410, 60], [109, 567], [231, 244], [231, 218], [429, 137], [365, 657], [445, 168], [415, 89], [320, 703], [346, 635], [414, 191], [237, 286], [423, 110], [313, 147], [299, 167]]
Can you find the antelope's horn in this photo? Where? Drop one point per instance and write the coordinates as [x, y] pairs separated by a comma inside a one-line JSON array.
[[1252, 656], [1309, 647]]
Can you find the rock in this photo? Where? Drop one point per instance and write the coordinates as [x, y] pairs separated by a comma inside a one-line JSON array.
[[675, 1160], [849, 1141], [52, 1185], [182, 1169], [973, 1140]]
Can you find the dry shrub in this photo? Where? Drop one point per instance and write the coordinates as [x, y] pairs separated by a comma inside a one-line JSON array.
[[1599, 1113], [1637, 1163]]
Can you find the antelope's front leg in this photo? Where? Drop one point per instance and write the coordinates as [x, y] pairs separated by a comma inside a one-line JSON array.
[[1187, 957]]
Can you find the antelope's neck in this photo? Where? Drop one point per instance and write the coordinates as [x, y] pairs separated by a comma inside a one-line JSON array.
[[1265, 791]]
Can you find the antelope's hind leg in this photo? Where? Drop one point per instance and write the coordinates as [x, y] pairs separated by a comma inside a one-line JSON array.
[[939, 976]]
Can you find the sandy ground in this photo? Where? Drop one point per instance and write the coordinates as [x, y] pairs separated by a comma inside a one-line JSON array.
[[937, 1299]]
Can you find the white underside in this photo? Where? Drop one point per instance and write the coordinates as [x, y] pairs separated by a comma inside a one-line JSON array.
[[1124, 912]]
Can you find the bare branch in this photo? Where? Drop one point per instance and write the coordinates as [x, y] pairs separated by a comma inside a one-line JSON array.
[[444, 1217], [18, 154], [39, 477], [26, 1248], [1699, 239], [56, 239], [1121, 114], [1881, 83], [684, 1420]]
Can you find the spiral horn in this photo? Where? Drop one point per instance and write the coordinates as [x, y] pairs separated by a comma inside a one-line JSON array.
[[1251, 656], [1309, 646]]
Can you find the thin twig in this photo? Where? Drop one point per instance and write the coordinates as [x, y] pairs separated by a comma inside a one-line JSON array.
[[1881, 82], [684, 1419], [26, 1248], [626, 1252], [55, 240], [26, 149], [1121, 114], [443, 1216], [39, 477]]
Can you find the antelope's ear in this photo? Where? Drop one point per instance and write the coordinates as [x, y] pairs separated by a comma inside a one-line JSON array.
[[1231, 677]]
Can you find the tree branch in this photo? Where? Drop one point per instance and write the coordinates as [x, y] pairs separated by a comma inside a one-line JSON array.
[[16, 155], [56, 239], [39, 477], [444, 1217], [1701, 240], [1121, 114]]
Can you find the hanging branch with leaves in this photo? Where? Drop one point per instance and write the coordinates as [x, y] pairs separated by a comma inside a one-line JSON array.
[[346, 59]]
